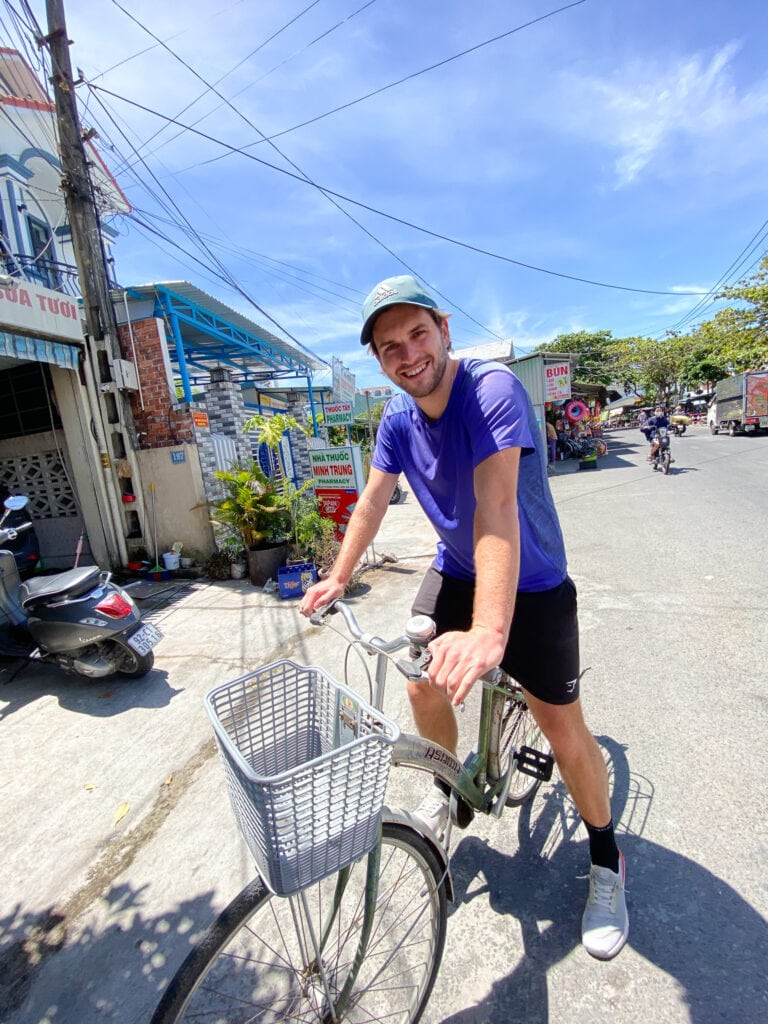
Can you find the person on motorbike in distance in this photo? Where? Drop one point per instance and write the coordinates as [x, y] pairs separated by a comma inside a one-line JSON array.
[[465, 435], [657, 420]]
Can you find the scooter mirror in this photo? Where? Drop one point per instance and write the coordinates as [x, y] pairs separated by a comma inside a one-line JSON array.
[[15, 502]]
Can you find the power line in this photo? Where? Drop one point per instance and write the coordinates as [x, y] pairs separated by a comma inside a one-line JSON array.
[[406, 78], [159, 234], [147, 49], [756, 242], [392, 217], [226, 274], [226, 73], [196, 237], [283, 271], [304, 176], [266, 74]]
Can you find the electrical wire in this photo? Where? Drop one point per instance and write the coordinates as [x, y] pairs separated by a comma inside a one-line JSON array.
[[244, 252], [305, 177], [223, 273], [33, 60], [137, 217], [147, 49], [714, 293], [226, 274], [225, 75], [406, 78], [756, 242], [399, 220], [261, 78]]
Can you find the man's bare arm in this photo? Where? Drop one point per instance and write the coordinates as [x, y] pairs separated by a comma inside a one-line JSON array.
[[363, 526], [459, 659]]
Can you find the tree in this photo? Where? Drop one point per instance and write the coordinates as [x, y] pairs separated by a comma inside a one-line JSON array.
[[597, 351], [658, 363], [753, 291], [735, 339]]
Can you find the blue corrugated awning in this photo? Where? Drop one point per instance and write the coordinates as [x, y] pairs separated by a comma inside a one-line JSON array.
[[38, 350]]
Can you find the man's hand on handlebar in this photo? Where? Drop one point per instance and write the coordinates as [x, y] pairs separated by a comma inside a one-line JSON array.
[[321, 594], [460, 659]]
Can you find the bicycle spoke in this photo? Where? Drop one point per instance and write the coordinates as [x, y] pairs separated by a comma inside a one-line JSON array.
[[263, 970]]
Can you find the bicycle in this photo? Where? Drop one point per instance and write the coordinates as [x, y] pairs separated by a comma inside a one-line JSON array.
[[362, 940]]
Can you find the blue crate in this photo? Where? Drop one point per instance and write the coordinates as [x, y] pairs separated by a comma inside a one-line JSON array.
[[293, 580]]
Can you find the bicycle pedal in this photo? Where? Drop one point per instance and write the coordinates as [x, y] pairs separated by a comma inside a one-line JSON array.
[[460, 812], [534, 763]]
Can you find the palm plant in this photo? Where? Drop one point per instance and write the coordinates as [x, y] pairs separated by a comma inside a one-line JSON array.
[[254, 506]]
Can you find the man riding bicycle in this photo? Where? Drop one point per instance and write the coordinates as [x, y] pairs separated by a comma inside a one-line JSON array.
[[465, 436]]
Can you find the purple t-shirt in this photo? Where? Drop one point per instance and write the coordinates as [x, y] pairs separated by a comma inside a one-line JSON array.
[[488, 410]]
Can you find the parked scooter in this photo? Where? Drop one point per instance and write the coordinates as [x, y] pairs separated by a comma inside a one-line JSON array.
[[76, 619], [662, 457]]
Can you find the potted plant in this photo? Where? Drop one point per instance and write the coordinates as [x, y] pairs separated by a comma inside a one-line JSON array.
[[312, 537], [232, 546], [217, 566], [255, 509]]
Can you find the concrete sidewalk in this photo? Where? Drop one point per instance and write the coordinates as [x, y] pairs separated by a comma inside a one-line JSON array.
[[102, 782]]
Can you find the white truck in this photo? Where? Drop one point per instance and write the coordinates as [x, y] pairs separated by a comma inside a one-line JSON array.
[[740, 404]]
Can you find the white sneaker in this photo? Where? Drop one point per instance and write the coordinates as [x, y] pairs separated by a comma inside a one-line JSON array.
[[433, 811], [605, 924]]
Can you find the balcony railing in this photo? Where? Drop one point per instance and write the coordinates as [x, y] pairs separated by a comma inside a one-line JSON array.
[[61, 277]]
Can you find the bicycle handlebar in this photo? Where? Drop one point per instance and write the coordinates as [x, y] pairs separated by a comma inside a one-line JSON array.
[[418, 632]]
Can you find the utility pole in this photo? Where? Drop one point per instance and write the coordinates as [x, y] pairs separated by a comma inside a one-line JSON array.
[[89, 255], [76, 183]]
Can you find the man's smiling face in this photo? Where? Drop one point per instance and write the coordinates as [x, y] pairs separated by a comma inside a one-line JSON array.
[[413, 350]]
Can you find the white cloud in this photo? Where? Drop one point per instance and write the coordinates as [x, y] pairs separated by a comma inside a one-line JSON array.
[[649, 113]]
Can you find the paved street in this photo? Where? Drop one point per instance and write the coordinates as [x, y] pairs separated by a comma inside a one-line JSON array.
[[117, 839]]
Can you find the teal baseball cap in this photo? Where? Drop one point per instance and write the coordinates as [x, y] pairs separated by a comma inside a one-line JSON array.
[[393, 291]]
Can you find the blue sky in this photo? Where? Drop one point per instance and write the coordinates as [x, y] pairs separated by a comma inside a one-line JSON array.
[[620, 142]]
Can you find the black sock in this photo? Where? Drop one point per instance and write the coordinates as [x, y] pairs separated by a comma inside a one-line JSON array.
[[603, 850]]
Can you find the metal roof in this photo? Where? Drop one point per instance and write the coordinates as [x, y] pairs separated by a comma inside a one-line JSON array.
[[204, 333]]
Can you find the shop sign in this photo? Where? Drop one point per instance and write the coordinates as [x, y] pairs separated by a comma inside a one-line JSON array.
[[338, 504], [557, 381], [337, 414], [333, 467], [343, 382], [200, 419], [31, 309]]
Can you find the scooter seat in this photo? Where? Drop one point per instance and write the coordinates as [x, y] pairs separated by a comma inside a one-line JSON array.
[[73, 582]]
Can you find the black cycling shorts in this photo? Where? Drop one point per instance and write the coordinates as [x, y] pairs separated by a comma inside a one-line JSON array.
[[542, 652]]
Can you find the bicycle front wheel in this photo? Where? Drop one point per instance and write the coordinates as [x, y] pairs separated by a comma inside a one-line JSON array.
[[258, 962], [519, 729]]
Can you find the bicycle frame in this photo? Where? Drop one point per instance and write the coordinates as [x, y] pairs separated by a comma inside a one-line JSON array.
[[375, 932], [470, 779]]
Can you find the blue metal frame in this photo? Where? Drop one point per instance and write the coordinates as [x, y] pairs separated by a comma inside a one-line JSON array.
[[235, 347]]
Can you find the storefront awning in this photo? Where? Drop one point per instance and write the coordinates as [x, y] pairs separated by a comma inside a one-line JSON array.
[[38, 350]]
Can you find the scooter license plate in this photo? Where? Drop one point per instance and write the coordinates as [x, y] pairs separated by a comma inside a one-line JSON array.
[[145, 638]]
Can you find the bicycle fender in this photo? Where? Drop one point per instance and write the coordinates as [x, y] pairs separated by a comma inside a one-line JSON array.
[[401, 817]]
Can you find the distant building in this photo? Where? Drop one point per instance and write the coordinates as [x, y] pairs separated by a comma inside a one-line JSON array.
[[367, 398], [499, 350]]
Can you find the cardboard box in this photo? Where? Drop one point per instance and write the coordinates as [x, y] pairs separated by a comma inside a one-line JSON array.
[[293, 580]]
